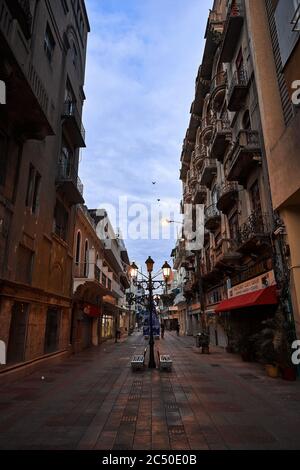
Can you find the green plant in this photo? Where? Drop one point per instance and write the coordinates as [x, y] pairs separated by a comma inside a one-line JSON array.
[[273, 342]]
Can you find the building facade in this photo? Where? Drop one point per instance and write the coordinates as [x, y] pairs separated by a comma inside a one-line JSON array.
[[42, 65], [237, 276], [100, 283], [275, 33]]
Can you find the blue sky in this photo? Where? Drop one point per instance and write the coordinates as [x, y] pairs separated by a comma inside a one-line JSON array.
[[143, 57]]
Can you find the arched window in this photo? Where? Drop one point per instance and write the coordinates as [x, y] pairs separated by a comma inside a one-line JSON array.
[[78, 248], [86, 258]]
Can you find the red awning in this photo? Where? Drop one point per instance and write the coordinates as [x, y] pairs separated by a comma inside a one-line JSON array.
[[92, 310], [267, 296]]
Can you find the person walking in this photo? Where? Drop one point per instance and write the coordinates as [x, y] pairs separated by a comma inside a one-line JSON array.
[[178, 329], [162, 330]]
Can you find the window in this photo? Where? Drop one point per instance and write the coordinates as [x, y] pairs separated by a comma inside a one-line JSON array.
[[3, 159], [74, 55], [36, 193], [17, 333], [33, 190], [52, 330], [66, 161], [30, 185], [86, 259], [104, 280], [49, 43], [78, 248], [246, 121], [287, 17], [61, 218], [24, 264]]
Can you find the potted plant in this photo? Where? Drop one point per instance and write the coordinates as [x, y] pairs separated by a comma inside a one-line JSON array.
[[265, 347]]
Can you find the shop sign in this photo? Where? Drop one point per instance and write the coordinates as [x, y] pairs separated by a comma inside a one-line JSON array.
[[253, 285]]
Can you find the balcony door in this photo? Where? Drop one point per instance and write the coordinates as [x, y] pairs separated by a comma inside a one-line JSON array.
[[254, 194], [70, 100], [66, 160]]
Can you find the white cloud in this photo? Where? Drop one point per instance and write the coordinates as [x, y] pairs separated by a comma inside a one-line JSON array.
[[142, 62]]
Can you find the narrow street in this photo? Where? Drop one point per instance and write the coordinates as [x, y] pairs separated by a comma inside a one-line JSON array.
[[94, 401]]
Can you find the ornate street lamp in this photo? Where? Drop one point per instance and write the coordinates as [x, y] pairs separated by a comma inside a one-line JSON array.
[[149, 300], [166, 269], [134, 270]]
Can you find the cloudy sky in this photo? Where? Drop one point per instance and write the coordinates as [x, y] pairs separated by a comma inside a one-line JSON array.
[[143, 58]]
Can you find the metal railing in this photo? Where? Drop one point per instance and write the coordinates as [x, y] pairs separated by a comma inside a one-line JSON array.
[[228, 187], [257, 224], [247, 139], [218, 80], [212, 212], [71, 110], [240, 78], [67, 172]]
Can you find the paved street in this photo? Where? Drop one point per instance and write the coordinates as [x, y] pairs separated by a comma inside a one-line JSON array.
[[94, 401]]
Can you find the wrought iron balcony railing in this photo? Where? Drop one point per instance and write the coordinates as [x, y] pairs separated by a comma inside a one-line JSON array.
[[69, 181], [73, 119], [257, 225]]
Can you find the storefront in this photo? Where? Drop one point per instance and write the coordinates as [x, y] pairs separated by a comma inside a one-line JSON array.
[[247, 306]]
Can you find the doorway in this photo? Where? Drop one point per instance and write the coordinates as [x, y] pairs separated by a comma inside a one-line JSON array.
[[17, 333]]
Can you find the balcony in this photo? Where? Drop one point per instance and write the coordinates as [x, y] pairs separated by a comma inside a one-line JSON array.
[[187, 196], [73, 124], [206, 132], [200, 155], [24, 88], [68, 182], [226, 253], [193, 177], [244, 157], [209, 272], [221, 138], [232, 31], [228, 196], [199, 194], [188, 287], [238, 89], [254, 234], [20, 10], [218, 90], [208, 172], [212, 219]]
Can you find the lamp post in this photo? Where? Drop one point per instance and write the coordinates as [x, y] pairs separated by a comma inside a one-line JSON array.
[[150, 264], [166, 273], [150, 285]]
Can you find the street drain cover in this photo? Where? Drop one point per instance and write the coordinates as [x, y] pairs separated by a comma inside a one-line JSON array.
[[171, 406], [129, 419], [176, 430], [215, 365]]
